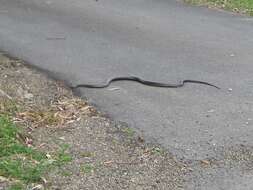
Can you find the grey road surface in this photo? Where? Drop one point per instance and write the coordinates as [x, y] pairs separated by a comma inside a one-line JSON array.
[[88, 41]]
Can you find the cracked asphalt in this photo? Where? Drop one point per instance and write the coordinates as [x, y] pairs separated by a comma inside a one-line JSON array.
[[163, 40]]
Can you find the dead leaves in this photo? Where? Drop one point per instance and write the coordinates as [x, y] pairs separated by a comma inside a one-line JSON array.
[[63, 111], [205, 162]]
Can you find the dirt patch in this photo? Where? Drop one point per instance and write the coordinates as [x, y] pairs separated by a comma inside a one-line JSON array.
[[231, 168], [104, 154]]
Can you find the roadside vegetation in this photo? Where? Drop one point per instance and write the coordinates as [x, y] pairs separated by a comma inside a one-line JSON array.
[[23, 164], [20, 163], [239, 6]]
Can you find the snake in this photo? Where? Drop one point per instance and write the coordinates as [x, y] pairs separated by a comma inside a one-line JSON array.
[[144, 82]]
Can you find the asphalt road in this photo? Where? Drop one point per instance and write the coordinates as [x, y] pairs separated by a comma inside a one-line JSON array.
[[163, 40]]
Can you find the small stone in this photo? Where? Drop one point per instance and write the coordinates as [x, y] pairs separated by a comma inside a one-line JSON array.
[[48, 156], [206, 162], [140, 139], [3, 179], [38, 187], [24, 93], [29, 96], [236, 9]]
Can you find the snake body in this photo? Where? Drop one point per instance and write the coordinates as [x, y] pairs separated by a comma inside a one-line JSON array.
[[144, 82]]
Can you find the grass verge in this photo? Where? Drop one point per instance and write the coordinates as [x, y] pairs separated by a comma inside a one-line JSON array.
[[22, 164], [240, 6]]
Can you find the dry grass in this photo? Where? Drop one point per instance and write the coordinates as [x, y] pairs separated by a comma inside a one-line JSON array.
[[62, 112]]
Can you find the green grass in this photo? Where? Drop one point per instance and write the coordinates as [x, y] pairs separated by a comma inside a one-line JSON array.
[[17, 186], [16, 159], [62, 156], [22, 163], [242, 6], [158, 151], [128, 131], [8, 107], [87, 168], [66, 173]]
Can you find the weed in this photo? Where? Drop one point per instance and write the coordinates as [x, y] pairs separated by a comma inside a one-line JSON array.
[[157, 150], [87, 168], [8, 107], [63, 157], [129, 131], [17, 186], [87, 154], [66, 173]]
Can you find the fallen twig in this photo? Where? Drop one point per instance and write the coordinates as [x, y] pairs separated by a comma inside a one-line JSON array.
[[5, 94]]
